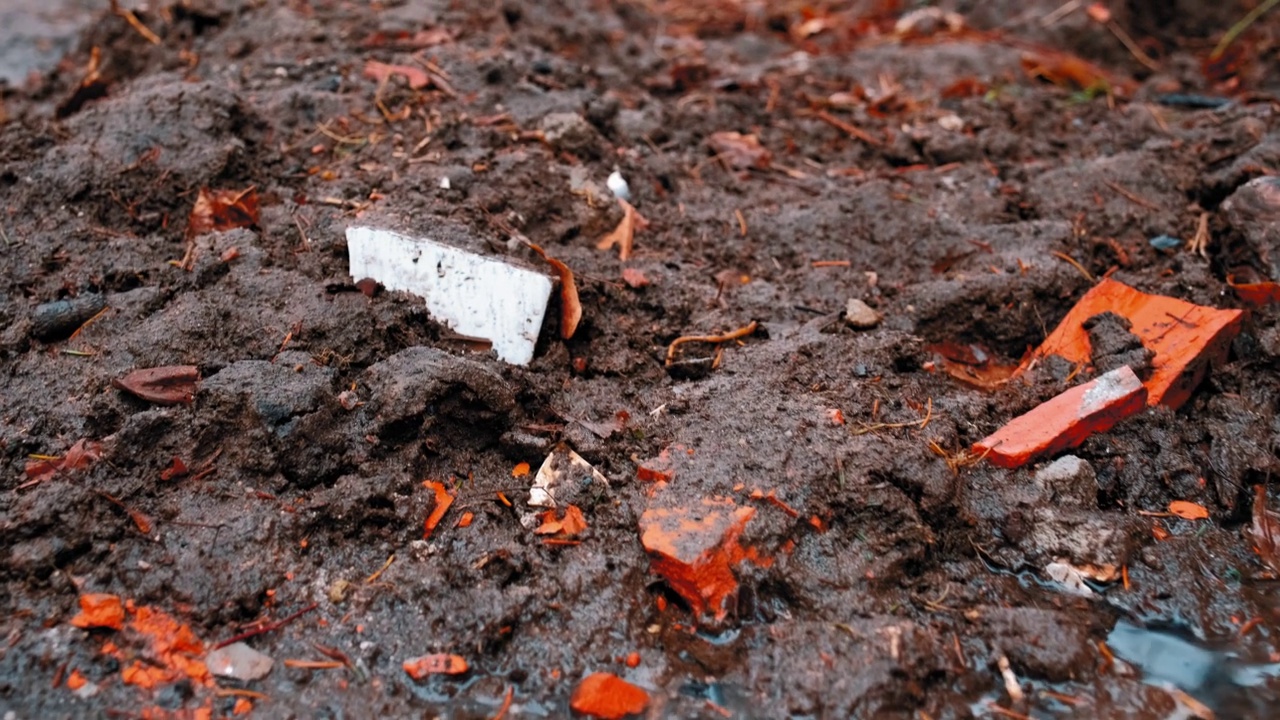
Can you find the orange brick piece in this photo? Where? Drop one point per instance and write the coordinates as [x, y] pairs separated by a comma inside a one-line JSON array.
[[1066, 420], [607, 696], [1185, 338], [695, 549]]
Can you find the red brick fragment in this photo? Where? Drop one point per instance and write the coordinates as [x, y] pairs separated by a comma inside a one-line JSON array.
[[695, 549], [100, 610], [1066, 420], [1185, 338], [607, 696]]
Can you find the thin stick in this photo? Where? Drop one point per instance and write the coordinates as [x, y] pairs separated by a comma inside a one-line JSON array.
[[846, 127], [1132, 46], [1240, 27], [133, 21], [726, 337], [1078, 266], [1131, 197], [266, 628]]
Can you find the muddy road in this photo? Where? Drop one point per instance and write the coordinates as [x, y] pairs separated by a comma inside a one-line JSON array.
[[319, 505]]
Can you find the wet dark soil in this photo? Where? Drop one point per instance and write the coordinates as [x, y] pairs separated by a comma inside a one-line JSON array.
[[897, 580]]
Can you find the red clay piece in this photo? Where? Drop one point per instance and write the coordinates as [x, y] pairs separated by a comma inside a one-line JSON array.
[[1185, 338], [607, 696], [1066, 420], [695, 549]]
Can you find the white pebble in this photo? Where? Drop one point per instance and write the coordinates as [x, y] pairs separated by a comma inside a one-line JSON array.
[[618, 185], [444, 183]]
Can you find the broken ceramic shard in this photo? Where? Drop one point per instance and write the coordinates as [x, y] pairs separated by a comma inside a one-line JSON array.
[[239, 661], [474, 295], [562, 477]]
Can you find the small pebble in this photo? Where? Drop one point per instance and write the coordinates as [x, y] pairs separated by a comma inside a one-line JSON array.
[[57, 320], [1165, 242], [860, 315]]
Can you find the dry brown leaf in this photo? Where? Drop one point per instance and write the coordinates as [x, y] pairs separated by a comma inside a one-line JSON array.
[[381, 71], [1188, 510], [740, 151], [624, 235], [223, 210], [1265, 530], [570, 305]]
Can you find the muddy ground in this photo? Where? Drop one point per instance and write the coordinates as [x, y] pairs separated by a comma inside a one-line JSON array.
[[900, 580]]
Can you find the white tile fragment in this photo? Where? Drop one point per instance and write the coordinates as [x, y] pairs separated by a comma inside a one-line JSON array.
[[473, 294]]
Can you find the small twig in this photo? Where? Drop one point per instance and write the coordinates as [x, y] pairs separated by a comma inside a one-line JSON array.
[[888, 426], [1137, 52], [134, 22], [266, 628], [374, 577], [830, 263], [87, 323], [313, 664], [1063, 10], [726, 337], [1011, 685], [1130, 196], [845, 127], [1240, 27], [1063, 256]]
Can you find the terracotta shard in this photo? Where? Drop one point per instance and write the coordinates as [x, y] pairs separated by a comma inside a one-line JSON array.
[[609, 697], [173, 385], [1185, 338], [695, 549], [1066, 420]]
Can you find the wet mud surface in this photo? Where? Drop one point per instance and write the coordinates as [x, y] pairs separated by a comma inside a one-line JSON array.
[[882, 573]]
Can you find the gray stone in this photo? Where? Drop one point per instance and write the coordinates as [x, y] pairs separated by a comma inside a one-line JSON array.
[[1082, 537], [570, 132], [239, 661], [277, 391], [1254, 210], [1069, 480], [860, 315]]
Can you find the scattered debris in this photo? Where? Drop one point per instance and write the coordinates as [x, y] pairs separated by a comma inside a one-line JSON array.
[[695, 548], [444, 499], [100, 610], [713, 339], [1011, 685], [1066, 420], [173, 385], [634, 278], [618, 186], [436, 664], [59, 319], [1069, 577], [381, 72], [562, 477], [474, 295], [973, 365], [1165, 242], [238, 661], [570, 306], [608, 697], [860, 315], [623, 236], [740, 151], [1185, 338], [222, 210], [571, 524]]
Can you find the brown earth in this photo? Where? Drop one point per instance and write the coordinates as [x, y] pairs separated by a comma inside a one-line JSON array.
[[950, 218]]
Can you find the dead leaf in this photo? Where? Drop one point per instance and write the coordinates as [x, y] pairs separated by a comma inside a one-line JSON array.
[[172, 385], [740, 151], [380, 71], [81, 455], [1066, 70], [571, 524], [570, 305], [520, 470], [437, 664], [1265, 530], [223, 210], [443, 500], [177, 468], [634, 277], [624, 234], [1188, 510]]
